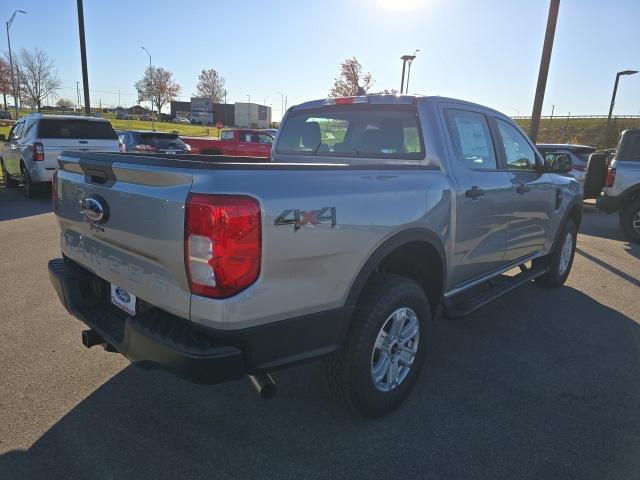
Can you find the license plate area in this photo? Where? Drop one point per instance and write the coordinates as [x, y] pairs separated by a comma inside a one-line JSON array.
[[122, 299]]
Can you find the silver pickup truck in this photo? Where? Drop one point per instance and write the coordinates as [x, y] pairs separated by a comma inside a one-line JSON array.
[[375, 215]]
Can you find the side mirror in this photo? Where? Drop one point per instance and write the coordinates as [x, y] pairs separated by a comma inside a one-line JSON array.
[[3, 138], [557, 163]]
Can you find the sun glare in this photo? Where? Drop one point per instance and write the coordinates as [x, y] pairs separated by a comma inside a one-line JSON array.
[[400, 5]]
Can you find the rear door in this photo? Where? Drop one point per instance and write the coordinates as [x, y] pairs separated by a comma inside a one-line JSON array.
[[11, 155], [82, 135], [534, 193], [483, 195]]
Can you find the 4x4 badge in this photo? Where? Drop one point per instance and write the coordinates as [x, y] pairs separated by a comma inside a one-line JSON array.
[[298, 218]]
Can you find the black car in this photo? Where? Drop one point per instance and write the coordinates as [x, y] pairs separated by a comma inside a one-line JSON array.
[[4, 115], [147, 141]]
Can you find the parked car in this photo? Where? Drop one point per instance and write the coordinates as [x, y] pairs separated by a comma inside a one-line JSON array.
[[4, 115], [344, 247], [234, 142], [124, 116], [579, 156], [622, 185], [146, 117], [181, 120], [35, 141], [147, 141]]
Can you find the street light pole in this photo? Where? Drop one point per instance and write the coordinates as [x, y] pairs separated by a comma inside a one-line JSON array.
[[613, 97], [552, 20], [405, 59], [153, 124], [281, 105], [13, 80], [249, 112], [409, 71]]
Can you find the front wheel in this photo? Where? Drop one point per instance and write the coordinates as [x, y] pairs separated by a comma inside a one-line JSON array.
[[559, 262], [385, 349], [6, 178], [29, 187], [630, 220]]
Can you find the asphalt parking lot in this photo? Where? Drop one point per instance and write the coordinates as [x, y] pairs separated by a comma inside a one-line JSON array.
[[540, 384]]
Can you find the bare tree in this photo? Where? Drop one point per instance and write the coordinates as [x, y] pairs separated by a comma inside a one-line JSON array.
[[157, 86], [210, 85], [63, 102], [37, 75], [351, 80], [5, 80]]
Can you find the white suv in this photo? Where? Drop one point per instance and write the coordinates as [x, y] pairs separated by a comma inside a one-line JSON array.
[[31, 152]]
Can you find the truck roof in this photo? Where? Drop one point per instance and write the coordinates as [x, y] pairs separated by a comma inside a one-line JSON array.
[[391, 99]]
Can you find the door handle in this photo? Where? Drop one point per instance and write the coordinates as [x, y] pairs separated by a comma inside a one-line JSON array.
[[523, 188], [474, 192]]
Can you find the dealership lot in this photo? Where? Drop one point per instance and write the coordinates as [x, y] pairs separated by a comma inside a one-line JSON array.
[[540, 384]]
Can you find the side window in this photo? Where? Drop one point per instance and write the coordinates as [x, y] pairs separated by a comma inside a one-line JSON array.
[[28, 130], [471, 139], [518, 152], [263, 138], [226, 135]]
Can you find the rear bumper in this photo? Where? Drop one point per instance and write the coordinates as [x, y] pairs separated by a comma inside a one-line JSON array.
[[609, 204], [156, 339]]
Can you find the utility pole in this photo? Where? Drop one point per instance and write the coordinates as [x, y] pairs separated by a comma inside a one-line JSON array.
[[83, 59], [613, 97], [78, 94], [553, 107], [405, 59], [552, 20], [119, 98], [249, 111], [13, 80]]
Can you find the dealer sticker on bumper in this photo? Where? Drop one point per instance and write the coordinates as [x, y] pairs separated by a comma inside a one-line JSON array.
[[123, 299]]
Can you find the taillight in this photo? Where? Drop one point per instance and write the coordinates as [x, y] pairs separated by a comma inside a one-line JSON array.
[[223, 243], [54, 189], [38, 152], [611, 177]]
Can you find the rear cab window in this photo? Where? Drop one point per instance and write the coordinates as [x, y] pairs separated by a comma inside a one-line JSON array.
[[162, 140], [374, 131], [76, 129], [471, 139]]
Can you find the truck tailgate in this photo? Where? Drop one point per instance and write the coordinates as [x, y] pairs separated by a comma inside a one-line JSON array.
[[138, 245], [53, 147]]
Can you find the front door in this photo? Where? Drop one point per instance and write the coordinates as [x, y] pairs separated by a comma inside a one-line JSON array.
[[11, 156], [534, 194], [483, 196]]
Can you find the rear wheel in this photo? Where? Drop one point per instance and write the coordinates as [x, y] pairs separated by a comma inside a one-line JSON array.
[[7, 180], [630, 220], [385, 349], [559, 262], [29, 187]]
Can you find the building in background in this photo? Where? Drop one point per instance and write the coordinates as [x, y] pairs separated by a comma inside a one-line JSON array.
[[252, 115], [204, 111]]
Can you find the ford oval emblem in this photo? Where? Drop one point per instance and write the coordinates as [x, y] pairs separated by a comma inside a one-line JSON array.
[[122, 295], [95, 208]]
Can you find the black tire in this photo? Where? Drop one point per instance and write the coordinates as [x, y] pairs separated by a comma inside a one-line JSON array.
[[630, 214], [596, 175], [29, 187], [7, 180], [555, 276], [349, 370]]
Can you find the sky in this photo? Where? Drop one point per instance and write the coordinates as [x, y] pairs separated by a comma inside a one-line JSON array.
[[484, 51]]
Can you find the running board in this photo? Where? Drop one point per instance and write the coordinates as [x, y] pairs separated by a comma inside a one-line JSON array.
[[469, 305]]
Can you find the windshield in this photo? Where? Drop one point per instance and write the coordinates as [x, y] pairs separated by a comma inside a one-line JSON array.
[[162, 140], [378, 131], [76, 129]]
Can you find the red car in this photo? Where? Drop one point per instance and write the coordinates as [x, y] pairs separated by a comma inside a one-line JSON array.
[[233, 142]]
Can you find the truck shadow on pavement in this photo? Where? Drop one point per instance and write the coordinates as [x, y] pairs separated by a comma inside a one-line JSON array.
[[13, 203], [540, 384]]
